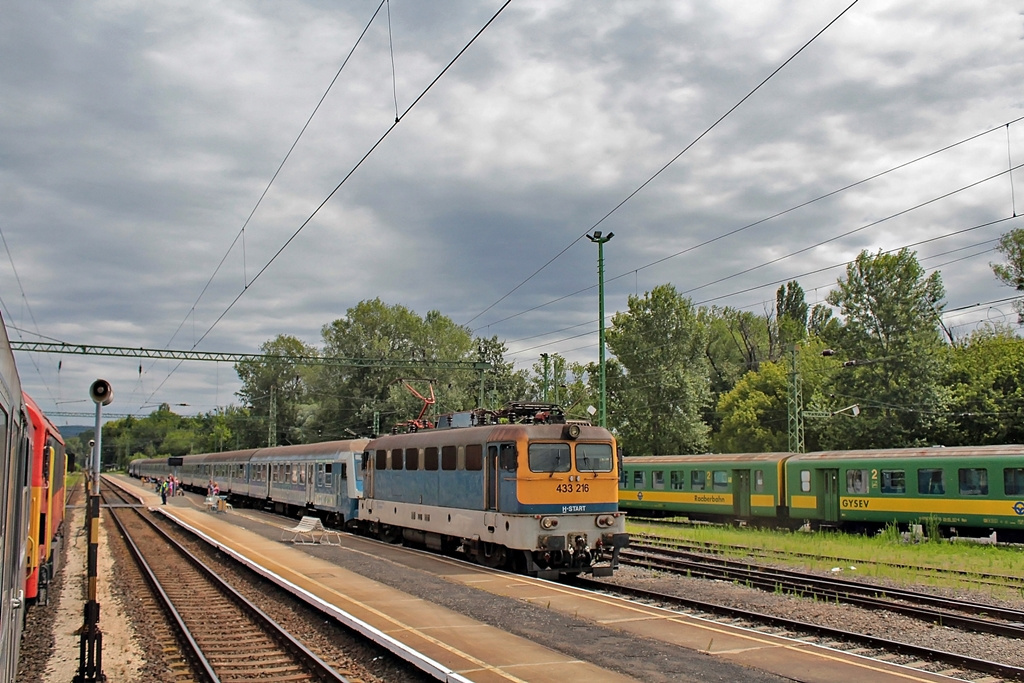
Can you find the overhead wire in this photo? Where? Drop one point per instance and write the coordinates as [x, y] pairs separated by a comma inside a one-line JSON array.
[[673, 159], [348, 175]]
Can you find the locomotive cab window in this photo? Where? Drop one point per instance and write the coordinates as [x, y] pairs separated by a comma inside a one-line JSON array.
[[549, 457], [931, 482], [894, 481], [380, 461], [593, 457], [857, 481], [973, 481]]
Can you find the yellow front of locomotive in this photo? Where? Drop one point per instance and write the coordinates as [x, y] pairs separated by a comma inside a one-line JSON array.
[[564, 494]]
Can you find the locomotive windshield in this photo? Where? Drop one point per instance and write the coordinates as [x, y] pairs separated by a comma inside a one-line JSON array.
[[549, 457], [594, 457]]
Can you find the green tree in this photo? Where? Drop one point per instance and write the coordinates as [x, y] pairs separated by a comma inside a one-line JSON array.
[[352, 399], [754, 416], [658, 386], [275, 388], [1011, 273], [791, 313], [891, 332], [986, 397]]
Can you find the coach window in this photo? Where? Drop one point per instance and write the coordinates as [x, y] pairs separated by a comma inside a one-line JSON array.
[[678, 480], [698, 480], [328, 475], [658, 479], [930, 482], [857, 481], [396, 459], [719, 480], [412, 458], [805, 481], [758, 481], [894, 481], [1013, 481], [639, 479], [474, 457], [449, 458], [623, 478], [380, 462], [273, 474], [594, 457], [549, 457], [319, 474], [973, 481], [430, 458]]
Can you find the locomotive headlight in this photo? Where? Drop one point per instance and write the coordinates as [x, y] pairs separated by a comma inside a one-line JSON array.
[[548, 522], [605, 521]]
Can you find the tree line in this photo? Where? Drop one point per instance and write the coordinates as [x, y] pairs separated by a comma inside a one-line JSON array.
[[874, 368]]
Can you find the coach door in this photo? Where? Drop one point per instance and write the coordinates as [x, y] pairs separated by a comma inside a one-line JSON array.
[[492, 476], [828, 499], [310, 483], [741, 493]]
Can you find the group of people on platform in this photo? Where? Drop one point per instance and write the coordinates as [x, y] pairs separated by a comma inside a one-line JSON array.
[[170, 486]]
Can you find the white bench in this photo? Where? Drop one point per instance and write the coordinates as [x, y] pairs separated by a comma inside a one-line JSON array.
[[310, 530]]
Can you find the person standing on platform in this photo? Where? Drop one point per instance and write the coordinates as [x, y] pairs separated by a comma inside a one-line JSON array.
[[162, 486]]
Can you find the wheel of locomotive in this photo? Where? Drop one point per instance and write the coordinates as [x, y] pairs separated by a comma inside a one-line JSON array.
[[493, 555], [389, 534]]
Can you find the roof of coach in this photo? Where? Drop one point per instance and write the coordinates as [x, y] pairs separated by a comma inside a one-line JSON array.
[[487, 433], [224, 456], [960, 452], [312, 450], [710, 458]]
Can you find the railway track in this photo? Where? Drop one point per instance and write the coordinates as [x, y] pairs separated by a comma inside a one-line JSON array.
[[915, 656], [212, 632], [1002, 581], [948, 612]]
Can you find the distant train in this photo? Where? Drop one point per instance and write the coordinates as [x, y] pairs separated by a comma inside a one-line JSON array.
[[520, 488], [968, 491], [32, 479]]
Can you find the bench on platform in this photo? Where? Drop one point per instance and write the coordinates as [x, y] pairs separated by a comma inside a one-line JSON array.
[[311, 530]]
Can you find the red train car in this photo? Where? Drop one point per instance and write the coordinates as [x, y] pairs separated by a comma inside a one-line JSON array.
[[47, 474]]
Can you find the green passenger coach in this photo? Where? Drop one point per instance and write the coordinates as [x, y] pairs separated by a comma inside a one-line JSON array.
[[960, 488], [967, 491], [717, 488]]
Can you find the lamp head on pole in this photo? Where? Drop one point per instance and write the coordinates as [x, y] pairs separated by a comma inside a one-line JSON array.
[[596, 238]]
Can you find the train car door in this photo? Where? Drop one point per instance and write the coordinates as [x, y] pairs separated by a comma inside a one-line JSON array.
[[310, 483], [741, 493], [491, 477], [828, 501]]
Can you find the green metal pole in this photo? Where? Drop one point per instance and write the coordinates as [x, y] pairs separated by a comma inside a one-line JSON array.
[[602, 410]]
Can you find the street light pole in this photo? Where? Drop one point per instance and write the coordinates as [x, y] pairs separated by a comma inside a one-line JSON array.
[[602, 414]]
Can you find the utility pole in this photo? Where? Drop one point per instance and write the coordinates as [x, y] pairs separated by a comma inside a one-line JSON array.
[[602, 409], [272, 429], [795, 405], [545, 357]]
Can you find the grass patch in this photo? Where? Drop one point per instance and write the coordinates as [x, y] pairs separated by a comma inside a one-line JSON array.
[[852, 556]]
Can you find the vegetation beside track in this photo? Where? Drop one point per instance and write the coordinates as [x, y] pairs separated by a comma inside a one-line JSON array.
[[889, 556]]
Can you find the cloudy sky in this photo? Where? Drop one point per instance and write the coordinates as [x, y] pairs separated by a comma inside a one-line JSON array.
[[137, 138]]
